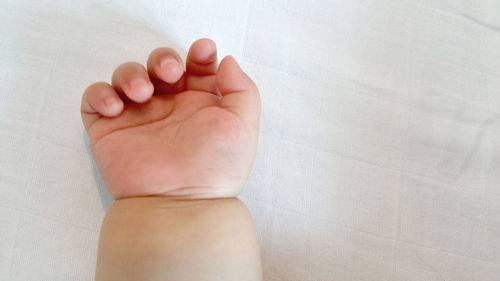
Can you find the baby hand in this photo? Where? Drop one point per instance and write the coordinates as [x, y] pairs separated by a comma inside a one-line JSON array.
[[168, 132]]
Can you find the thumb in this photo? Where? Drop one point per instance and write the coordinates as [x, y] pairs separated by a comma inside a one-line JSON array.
[[239, 93]]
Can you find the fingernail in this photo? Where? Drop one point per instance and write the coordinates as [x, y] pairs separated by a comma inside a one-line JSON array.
[[110, 100], [140, 90], [138, 83], [169, 63], [171, 70]]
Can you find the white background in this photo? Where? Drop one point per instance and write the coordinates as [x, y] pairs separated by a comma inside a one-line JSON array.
[[379, 153]]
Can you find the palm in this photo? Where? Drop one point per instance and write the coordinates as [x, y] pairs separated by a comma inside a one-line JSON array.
[[182, 144]]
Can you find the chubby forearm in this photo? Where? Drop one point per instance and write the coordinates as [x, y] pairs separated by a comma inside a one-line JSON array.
[[158, 238]]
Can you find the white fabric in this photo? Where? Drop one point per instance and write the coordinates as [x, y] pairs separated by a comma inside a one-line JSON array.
[[379, 153]]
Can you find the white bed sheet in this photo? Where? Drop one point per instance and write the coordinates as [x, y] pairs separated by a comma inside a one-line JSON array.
[[379, 154]]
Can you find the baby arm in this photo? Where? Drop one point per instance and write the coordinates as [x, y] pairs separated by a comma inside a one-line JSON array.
[[157, 238], [174, 148]]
